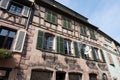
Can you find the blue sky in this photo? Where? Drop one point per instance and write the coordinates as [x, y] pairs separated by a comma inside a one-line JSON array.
[[104, 14]]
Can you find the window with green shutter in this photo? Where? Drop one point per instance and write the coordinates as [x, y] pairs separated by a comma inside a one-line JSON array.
[[83, 30], [79, 49], [92, 34], [95, 54], [40, 40], [45, 41], [51, 17], [60, 45], [67, 23], [102, 55]]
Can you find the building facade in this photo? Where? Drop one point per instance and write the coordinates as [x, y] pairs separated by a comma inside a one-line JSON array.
[[49, 41]]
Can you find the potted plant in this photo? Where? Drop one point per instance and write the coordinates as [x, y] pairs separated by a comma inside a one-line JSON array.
[[4, 53]]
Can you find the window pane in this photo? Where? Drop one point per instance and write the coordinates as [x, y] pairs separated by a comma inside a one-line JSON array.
[[6, 38], [18, 10], [12, 34], [4, 32], [48, 42], [67, 46]]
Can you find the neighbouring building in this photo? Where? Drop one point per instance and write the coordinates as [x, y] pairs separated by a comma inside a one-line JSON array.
[[49, 41]]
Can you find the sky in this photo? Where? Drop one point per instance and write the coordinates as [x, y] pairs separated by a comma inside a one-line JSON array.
[[105, 14]]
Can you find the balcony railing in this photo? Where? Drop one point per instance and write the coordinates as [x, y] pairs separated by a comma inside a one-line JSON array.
[[8, 17]]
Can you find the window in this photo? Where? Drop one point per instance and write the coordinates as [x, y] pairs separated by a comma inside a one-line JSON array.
[[63, 46], [75, 76], [41, 75], [83, 30], [92, 76], [4, 73], [102, 55], [15, 8], [19, 9], [51, 17], [118, 48], [104, 77], [79, 49], [6, 37], [67, 46], [107, 40], [48, 42], [95, 54], [110, 60], [60, 76], [67, 23], [118, 60], [45, 41], [92, 34]]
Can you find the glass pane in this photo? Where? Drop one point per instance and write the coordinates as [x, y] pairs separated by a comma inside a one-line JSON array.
[[4, 32], [12, 34], [12, 8], [8, 43], [48, 42], [18, 10]]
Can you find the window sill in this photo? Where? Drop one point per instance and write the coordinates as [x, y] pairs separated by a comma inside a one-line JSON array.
[[67, 29], [51, 22], [14, 14], [93, 38], [84, 35]]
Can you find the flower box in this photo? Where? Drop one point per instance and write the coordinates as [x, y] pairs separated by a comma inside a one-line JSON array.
[[4, 53]]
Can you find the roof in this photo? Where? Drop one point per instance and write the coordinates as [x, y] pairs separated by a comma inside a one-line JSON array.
[[69, 12]]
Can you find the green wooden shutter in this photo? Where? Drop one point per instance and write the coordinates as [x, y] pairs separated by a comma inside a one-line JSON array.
[[92, 35], [93, 53], [53, 18], [48, 17], [83, 51], [83, 29], [102, 55], [60, 45], [64, 23], [40, 40], [62, 49], [76, 49], [69, 24]]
